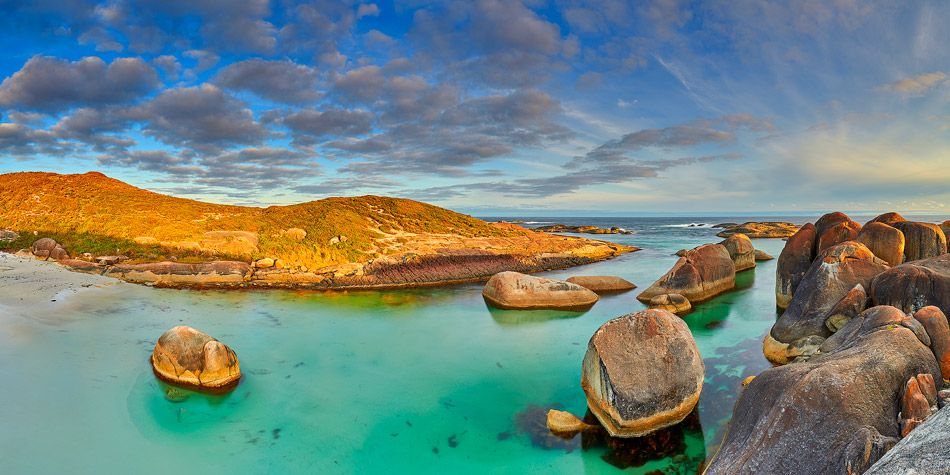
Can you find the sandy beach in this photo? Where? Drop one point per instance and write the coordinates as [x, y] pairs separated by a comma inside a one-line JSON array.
[[30, 283]]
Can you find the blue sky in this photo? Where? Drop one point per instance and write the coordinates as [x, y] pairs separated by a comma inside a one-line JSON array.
[[490, 107]]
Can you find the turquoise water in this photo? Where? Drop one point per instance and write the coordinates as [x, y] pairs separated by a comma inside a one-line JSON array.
[[416, 381]]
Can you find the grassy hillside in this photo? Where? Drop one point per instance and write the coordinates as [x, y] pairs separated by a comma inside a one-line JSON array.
[[97, 214]]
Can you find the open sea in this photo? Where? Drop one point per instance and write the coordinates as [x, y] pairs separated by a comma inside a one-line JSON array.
[[428, 380]]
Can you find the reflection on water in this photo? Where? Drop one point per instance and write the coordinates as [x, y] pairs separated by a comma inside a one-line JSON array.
[[409, 381]]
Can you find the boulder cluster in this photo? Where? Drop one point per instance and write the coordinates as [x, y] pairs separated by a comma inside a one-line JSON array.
[[865, 327], [704, 272], [515, 291]]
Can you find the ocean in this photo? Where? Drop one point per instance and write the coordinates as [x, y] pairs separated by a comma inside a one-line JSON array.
[[428, 380]]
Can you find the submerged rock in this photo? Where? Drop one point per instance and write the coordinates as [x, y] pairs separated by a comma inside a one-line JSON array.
[[192, 358], [793, 263], [833, 414], [642, 372], [741, 251], [761, 255], [515, 291], [602, 283], [673, 303], [565, 423], [702, 274]]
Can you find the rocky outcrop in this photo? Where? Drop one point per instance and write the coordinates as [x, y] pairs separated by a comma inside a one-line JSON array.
[[922, 240], [836, 413], [230, 242], [886, 242], [829, 279], [208, 274], [755, 230], [296, 234], [793, 262], [761, 255], [602, 284], [828, 221], [673, 303], [741, 251], [188, 357], [41, 248], [642, 372], [923, 451], [852, 304], [8, 235], [702, 274], [562, 228], [515, 291]]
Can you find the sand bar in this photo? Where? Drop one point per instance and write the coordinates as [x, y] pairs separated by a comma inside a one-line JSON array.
[[26, 282]]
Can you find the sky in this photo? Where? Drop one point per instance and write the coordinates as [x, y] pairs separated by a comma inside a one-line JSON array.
[[490, 107]]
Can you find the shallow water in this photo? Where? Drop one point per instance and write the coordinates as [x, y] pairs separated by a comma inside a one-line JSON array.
[[414, 381]]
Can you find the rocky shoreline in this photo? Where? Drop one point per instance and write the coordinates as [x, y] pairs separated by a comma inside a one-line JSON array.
[[443, 266]]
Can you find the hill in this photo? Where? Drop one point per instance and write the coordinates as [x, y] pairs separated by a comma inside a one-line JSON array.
[[92, 213]]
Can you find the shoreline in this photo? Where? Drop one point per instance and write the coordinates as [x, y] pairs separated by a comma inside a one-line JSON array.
[[27, 283], [429, 271]]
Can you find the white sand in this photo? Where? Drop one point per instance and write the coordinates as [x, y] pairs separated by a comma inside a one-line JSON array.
[[26, 282]]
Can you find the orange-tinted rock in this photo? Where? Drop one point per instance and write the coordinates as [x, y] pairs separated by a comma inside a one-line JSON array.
[[642, 372], [793, 263], [514, 291], [702, 274], [192, 358], [561, 422], [922, 240], [886, 242], [889, 219], [741, 251], [927, 387], [42, 248], [761, 255], [827, 221], [179, 273], [935, 322], [602, 283], [58, 254], [915, 408], [831, 277], [838, 234], [673, 303]]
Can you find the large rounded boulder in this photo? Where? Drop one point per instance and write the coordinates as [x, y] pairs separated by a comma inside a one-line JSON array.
[[922, 240], [43, 247], [793, 262], [703, 273], [828, 221], [837, 234], [516, 291], [836, 413], [935, 323], [741, 251], [914, 285], [192, 358], [642, 372], [889, 219], [886, 242], [832, 276]]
